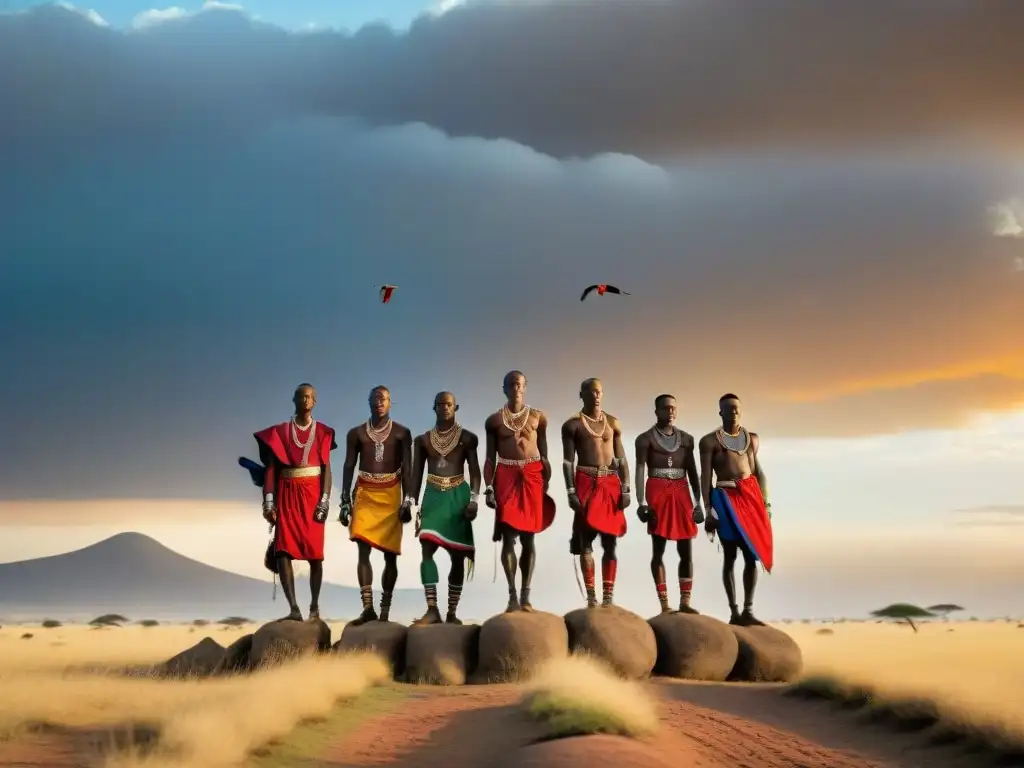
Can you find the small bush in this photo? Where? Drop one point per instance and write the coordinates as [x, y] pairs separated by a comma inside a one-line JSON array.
[[235, 621], [108, 620], [579, 696], [51, 624], [149, 623]]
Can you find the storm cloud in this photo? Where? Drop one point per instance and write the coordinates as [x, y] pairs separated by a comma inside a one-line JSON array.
[[568, 78], [197, 212]]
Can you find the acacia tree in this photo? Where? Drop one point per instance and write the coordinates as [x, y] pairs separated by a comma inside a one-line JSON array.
[[944, 609], [903, 612]]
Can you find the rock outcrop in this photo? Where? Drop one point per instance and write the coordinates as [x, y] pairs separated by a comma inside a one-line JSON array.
[[766, 655], [198, 661], [694, 647], [385, 637], [236, 657], [280, 640], [513, 645], [441, 654], [616, 636]]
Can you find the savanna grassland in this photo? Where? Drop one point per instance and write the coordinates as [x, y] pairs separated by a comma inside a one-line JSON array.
[[973, 670], [71, 680]]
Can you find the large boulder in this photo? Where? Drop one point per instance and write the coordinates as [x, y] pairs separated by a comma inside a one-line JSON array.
[[694, 647], [280, 640], [766, 655], [618, 637], [513, 645], [596, 750], [441, 654], [198, 661], [383, 637], [235, 657]]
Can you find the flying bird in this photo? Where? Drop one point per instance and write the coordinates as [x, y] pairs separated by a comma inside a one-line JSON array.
[[602, 289], [386, 292]]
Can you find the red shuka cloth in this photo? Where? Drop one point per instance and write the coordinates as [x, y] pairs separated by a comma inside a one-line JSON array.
[[522, 504], [296, 534], [673, 508], [750, 516], [600, 498]]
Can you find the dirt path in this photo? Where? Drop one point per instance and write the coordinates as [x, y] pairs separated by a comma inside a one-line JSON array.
[[710, 726], [703, 726]]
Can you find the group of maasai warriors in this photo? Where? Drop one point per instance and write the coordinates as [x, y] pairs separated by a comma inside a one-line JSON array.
[[388, 465]]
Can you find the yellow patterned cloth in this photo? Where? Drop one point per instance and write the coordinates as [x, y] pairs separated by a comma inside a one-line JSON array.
[[375, 512]]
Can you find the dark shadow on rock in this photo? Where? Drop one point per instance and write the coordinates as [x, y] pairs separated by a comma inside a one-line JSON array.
[[694, 647], [441, 654], [236, 657], [198, 661], [766, 655], [616, 636]]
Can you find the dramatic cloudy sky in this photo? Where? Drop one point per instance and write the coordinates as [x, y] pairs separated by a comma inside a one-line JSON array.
[[813, 205]]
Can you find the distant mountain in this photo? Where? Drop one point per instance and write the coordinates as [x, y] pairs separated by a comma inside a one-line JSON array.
[[138, 577]]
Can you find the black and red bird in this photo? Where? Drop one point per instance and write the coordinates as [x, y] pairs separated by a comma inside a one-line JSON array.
[[602, 289]]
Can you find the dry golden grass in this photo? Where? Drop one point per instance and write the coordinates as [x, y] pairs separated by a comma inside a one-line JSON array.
[[76, 645], [200, 723], [969, 680], [579, 695]]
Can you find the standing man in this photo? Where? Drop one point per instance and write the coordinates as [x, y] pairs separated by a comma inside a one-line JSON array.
[[382, 448], [598, 487], [449, 505], [517, 473], [738, 505], [296, 493], [669, 512]]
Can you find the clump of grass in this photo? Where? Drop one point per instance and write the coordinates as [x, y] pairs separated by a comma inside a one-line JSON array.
[[211, 723], [579, 695]]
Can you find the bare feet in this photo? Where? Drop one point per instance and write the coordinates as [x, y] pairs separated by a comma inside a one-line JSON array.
[[513, 605], [451, 618], [684, 608], [294, 615], [432, 616], [368, 614], [314, 613]]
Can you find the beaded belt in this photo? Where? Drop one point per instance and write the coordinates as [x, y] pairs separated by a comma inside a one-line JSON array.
[[596, 471], [664, 473], [517, 462], [442, 483], [293, 472], [379, 477]]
